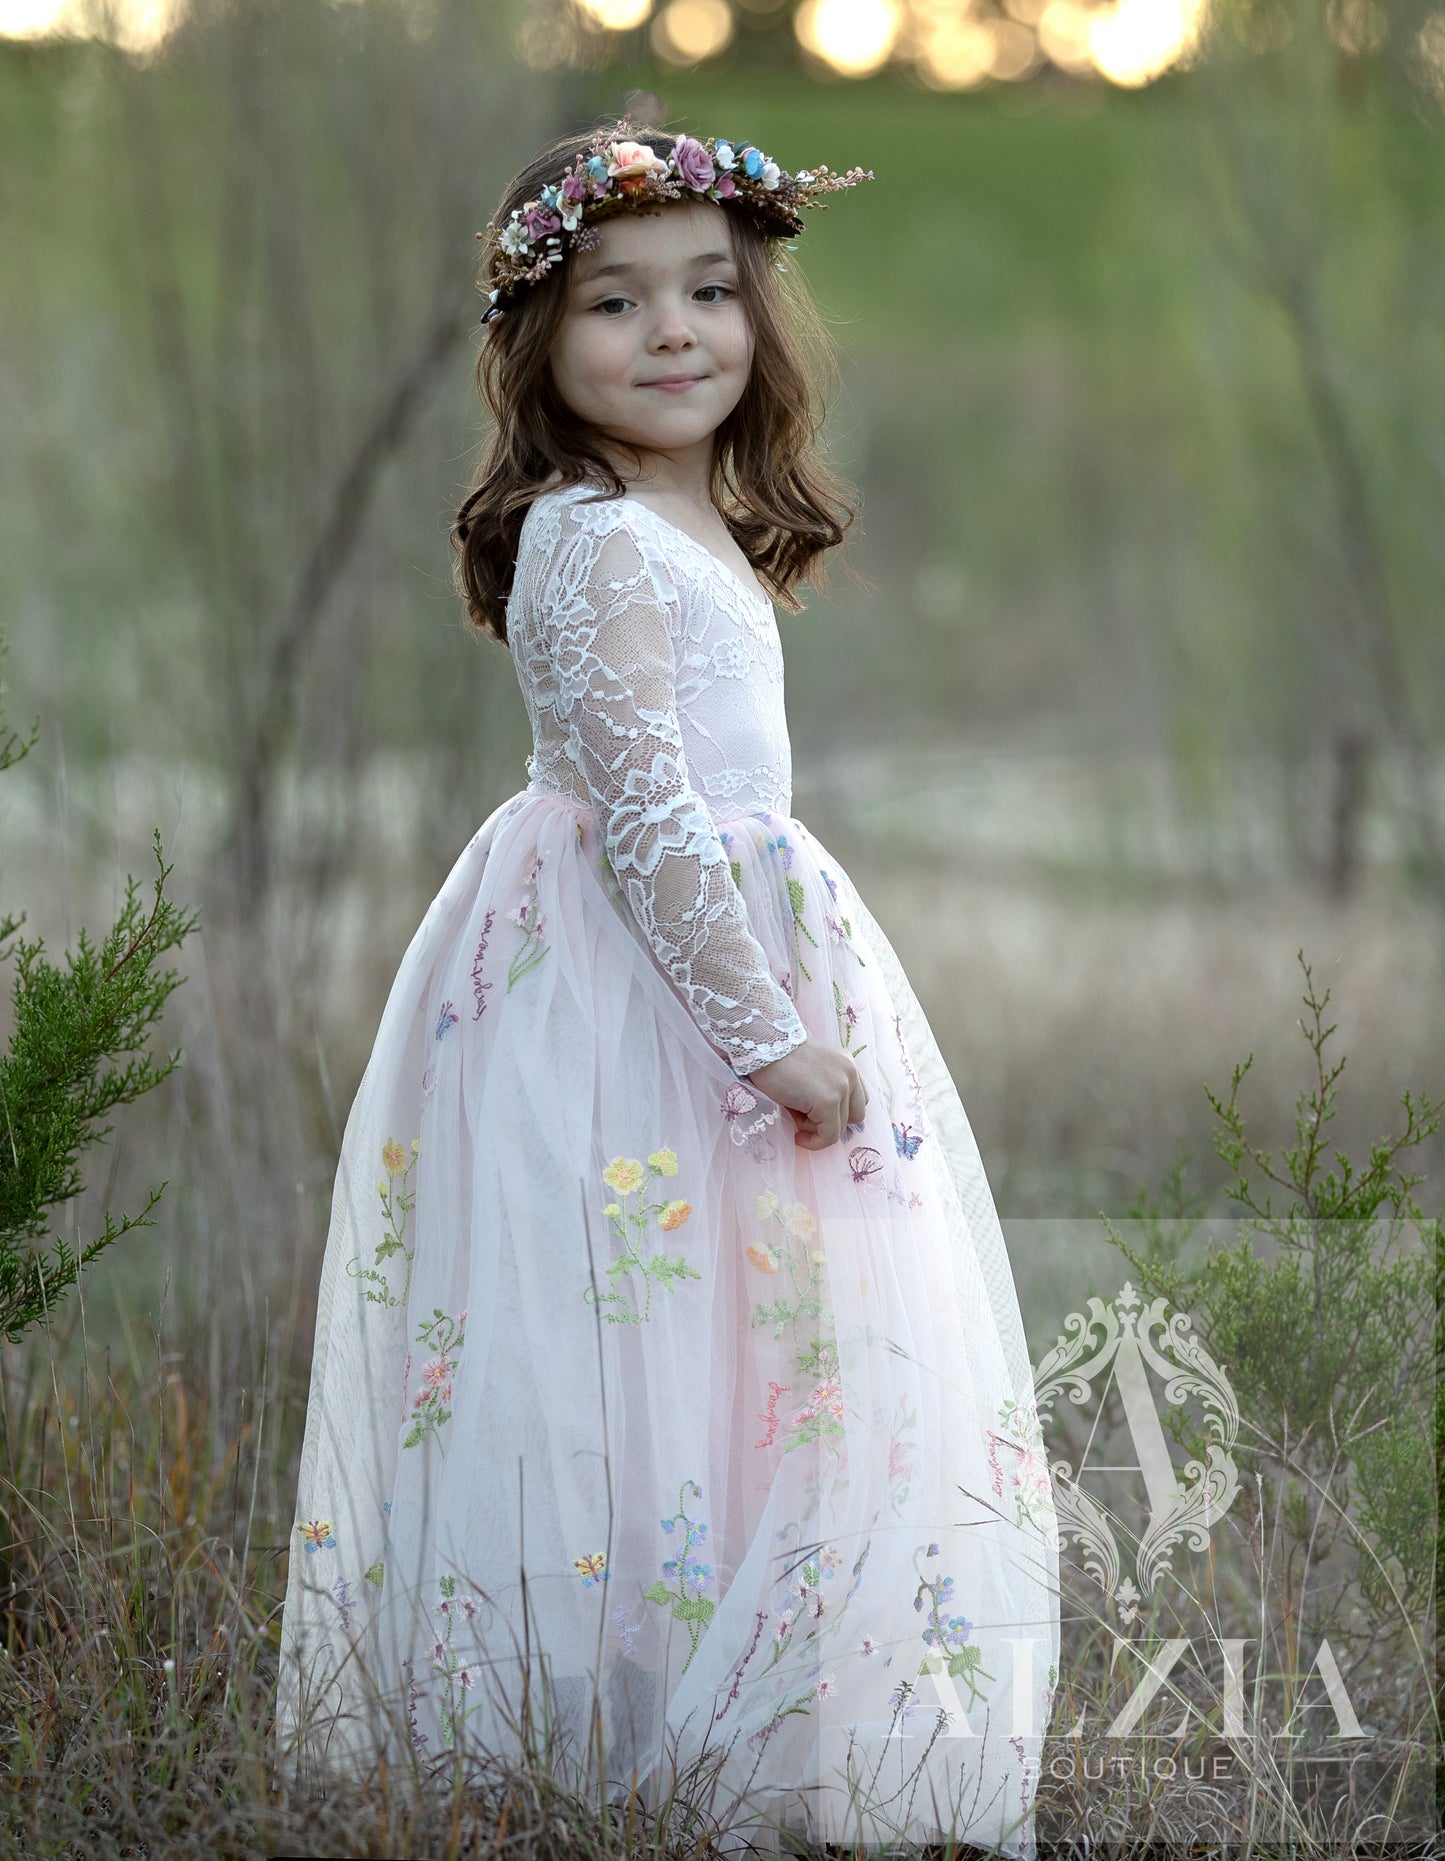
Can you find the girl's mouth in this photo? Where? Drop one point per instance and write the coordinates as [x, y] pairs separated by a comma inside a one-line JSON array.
[[673, 384]]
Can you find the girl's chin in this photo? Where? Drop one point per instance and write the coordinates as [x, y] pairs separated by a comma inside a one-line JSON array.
[[664, 434]]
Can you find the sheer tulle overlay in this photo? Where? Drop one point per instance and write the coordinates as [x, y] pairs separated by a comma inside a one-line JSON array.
[[629, 1418]]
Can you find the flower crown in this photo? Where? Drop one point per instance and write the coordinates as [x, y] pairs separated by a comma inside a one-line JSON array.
[[613, 174]]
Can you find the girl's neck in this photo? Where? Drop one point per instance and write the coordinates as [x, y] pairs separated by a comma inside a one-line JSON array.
[[683, 477]]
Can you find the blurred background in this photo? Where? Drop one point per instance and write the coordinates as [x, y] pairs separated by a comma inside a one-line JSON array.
[[1132, 694]]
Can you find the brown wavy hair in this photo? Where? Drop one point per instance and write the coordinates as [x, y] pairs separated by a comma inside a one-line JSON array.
[[782, 505]]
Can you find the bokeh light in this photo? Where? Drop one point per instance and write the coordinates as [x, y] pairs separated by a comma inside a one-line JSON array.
[[616, 15], [955, 54], [1430, 54], [949, 44], [688, 31], [1135, 40], [133, 25], [1357, 26], [1063, 30], [855, 37]]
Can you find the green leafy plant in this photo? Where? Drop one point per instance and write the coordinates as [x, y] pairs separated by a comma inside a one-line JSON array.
[[57, 1079], [1329, 1334]]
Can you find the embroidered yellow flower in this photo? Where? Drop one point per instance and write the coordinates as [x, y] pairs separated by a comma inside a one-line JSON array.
[[674, 1214], [624, 1174], [613, 1208], [393, 1156], [767, 1205], [664, 1162], [799, 1220]]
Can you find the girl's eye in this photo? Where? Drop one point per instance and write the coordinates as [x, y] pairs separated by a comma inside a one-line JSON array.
[[725, 289], [609, 300]]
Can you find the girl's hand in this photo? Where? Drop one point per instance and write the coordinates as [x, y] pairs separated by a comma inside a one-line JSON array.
[[819, 1087]]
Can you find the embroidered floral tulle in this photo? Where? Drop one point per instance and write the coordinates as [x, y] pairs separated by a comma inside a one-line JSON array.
[[719, 1453]]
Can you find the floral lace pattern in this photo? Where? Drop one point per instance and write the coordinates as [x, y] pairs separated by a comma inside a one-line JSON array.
[[629, 684]]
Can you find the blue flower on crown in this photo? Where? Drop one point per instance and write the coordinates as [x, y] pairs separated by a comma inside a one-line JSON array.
[[753, 160]]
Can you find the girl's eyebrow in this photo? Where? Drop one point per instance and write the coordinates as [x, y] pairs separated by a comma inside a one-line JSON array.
[[621, 269]]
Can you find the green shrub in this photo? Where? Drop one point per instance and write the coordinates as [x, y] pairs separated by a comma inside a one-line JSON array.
[[57, 1079], [1331, 1337]]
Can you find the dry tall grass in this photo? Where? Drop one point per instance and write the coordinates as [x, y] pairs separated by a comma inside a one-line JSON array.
[[150, 1438]]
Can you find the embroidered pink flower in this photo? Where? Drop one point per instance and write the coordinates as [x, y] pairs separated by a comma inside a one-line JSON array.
[[827, 1398], [694, 164]]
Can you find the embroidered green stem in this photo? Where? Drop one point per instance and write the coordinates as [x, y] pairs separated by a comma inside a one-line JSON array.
[[396, 1205], [796, 897], [431, 1408], [627, 1176], [689, 1606], [847, 1021]]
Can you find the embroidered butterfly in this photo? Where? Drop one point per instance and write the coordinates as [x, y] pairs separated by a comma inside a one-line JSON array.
[[737, 1100], [446, 1020], [864, 1162], [592, 1569], [906, 1140], [316, 1534]]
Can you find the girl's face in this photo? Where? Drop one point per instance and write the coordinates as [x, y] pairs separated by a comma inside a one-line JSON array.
[[654, 346]]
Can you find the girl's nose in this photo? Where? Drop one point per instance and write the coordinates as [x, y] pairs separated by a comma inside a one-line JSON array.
[[672, 327]]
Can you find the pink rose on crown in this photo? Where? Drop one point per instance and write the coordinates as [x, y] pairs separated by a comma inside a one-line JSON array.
[[694, 164], [631, 160]]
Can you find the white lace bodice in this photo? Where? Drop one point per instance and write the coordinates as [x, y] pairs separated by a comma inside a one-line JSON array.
[[653, 680]]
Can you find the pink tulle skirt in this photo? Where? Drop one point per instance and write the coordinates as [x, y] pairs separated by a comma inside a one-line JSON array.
[[639, 1432]]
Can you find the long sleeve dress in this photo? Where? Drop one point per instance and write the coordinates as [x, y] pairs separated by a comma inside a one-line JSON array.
[[635, 1429]]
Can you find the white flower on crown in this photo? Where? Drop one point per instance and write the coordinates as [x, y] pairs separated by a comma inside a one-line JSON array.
[[771, 175], [514, 238], [723, 155]]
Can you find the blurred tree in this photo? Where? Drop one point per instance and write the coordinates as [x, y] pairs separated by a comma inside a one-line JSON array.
[[1279, 90], [295, 194]]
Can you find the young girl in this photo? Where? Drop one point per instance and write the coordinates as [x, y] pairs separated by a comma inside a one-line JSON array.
[[670, 1403]]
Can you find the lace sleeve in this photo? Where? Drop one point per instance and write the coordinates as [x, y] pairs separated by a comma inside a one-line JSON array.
[[604, 625]]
